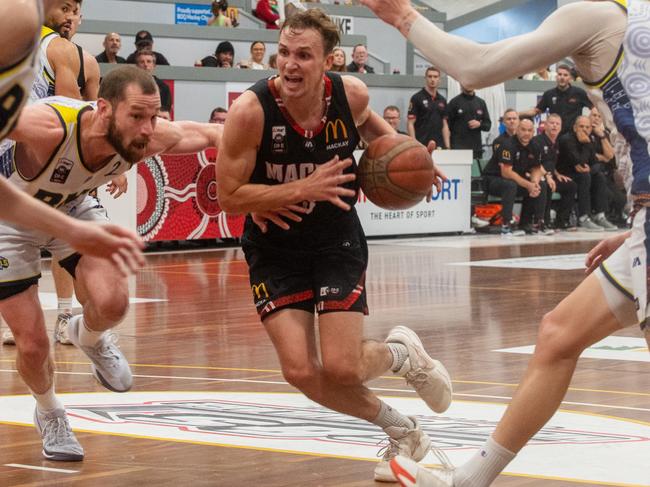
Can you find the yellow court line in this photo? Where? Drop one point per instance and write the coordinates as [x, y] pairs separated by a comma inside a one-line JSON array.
[[279, 372]]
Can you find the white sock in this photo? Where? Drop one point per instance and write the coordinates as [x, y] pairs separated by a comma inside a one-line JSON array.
[[583, 218], [65, 305], [484, 466], [400, 354], [47, 401], [389, 419], [87, 337]]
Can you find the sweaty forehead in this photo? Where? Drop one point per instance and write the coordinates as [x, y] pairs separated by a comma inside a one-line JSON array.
[[135, 99], [300, 39]]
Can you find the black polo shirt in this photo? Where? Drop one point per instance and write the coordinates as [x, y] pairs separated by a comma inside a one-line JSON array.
[[522, 158], [103, 58], [548, 151], [428, 113], [462, 109], [496, 143], [573, 152], [568, 104]]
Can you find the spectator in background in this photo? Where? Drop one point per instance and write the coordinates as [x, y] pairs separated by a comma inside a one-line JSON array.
[[339, 62], [222, 58], [427, 115], [565, 99], [548, 147], [218, 115], [616, 194], [510, 122], [267, 11], [147, 61], [393, 117], [542, 74], [577, 159], [256, 61], [516, 171], [273, 61], [219, 15], [468, 117], [359, 59], [112, 45], [144, 42]]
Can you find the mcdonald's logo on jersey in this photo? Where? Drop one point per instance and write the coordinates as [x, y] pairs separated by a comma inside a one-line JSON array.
[[260, 291], [336, 134]]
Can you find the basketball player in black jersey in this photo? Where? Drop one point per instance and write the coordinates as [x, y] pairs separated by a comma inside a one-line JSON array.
[[287, 152]]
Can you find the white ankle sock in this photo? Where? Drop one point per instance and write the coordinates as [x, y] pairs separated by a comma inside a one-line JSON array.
[[87, 337], [64, 305], [47, 401], [391, 418], [400, 354], [484, 466]]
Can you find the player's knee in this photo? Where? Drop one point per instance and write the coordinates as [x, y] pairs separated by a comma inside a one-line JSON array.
[[343, 373], [113, 308], [300, 377], [554, 340], [33, 351]]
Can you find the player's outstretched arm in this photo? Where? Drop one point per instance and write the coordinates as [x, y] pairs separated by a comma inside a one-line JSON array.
[[112, 242], [184, 137], [570, 29]]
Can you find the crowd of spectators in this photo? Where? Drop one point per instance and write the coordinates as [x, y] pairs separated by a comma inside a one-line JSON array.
[[571, 155]]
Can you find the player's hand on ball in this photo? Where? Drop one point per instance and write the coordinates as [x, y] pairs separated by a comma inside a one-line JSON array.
[[290, 212], [118, 244], [325, 183]]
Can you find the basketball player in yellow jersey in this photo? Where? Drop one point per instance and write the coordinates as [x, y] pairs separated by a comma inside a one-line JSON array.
[[20, 21], [64, 148]]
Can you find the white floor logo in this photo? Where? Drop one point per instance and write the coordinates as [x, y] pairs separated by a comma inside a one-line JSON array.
[[612, 348], [573, 446]]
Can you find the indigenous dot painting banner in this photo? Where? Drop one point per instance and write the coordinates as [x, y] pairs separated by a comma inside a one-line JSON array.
[[177, 199]]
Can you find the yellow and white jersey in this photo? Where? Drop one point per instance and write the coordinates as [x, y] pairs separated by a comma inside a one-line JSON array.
[[15, 88], [65, 177], [44, 83]]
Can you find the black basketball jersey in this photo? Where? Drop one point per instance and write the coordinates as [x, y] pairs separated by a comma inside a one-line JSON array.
[[288, 152]]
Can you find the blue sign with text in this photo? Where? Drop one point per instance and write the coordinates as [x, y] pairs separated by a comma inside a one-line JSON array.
[[190, 13]]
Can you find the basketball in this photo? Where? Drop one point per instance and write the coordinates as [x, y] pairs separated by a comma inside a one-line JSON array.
[[396, 172]]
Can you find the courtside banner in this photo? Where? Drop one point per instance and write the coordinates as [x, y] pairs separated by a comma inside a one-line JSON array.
[[177, 199], [449, 210]]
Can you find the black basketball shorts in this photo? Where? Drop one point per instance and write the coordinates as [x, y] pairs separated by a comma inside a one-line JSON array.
[[326, 279]]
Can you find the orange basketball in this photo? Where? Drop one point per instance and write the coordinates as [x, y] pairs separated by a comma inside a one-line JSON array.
[[396, 172]]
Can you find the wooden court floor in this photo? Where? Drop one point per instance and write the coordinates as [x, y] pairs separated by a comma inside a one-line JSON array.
[[210, 408]]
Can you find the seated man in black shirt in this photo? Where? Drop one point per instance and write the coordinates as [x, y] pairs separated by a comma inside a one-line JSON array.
[[577, 160], [510, 121], [548, 146], [516, 171], [616, 194]]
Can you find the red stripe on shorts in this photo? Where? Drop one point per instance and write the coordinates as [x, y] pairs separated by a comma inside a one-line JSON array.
[[286, 300], [346, 303]]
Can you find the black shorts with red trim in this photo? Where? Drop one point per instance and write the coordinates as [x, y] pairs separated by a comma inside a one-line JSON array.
[[326, 279]]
